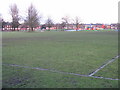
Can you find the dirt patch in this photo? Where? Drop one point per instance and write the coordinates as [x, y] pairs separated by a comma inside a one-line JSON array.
[[16, 81], [3, 45]]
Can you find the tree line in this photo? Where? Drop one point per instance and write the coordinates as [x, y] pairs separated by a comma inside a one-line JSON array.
[[33, 19]]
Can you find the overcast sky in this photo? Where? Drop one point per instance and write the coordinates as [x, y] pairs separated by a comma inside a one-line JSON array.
[[90, 11]]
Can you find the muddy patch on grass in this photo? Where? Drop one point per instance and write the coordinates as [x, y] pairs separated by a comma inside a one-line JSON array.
[[3, 45], [16, 81]]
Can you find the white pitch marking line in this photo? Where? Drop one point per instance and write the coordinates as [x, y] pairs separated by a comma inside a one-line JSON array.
[[110, 61], [42, 69]]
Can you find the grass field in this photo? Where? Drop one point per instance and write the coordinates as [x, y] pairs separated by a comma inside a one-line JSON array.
[[71, 52]]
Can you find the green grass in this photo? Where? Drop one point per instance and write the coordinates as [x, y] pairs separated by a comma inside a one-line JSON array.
[[77, 52], [25, 78], [111, 69]]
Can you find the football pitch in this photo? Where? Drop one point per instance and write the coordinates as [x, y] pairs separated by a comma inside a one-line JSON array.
[[83, 59]]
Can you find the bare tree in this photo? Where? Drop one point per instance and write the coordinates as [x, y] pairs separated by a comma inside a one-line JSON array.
[[63, 24], [66, 21], [77, 21], [49, 23], [14, 11], [32, 19]]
